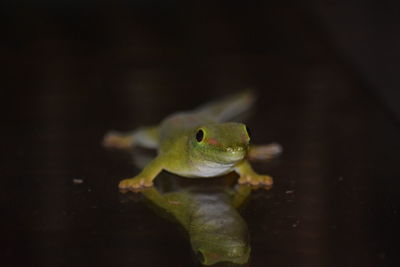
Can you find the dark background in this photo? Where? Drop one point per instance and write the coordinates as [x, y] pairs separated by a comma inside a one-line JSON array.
[[326, 77]]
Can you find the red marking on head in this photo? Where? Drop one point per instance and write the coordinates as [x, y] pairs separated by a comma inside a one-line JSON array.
[[212, 141]]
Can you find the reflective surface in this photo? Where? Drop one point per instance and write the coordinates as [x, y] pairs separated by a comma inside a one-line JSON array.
[[74, 74]]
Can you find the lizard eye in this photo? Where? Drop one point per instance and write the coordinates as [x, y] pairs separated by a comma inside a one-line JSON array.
[[248, 132], [199, 135]]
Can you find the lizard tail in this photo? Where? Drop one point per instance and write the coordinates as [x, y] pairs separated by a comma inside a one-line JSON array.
[[229, 108]]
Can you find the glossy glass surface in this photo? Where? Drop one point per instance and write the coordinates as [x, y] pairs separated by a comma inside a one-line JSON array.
[[72, 74]]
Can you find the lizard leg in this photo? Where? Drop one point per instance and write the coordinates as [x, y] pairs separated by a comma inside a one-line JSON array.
[[145, 177], [264, 152], [249, 176], [144, 137]]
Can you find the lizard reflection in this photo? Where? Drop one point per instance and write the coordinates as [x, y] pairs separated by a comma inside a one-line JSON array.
[[209, 214]]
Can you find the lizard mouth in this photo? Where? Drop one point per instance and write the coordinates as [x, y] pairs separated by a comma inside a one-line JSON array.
[[233, 154]]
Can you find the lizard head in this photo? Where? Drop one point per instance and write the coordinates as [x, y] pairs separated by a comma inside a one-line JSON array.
[[224, 143]]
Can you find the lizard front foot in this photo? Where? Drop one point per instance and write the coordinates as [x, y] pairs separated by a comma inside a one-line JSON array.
[[135, 183], [256, 179]]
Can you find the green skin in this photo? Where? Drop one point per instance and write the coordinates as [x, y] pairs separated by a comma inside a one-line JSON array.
[[216, 230], [196, 144]]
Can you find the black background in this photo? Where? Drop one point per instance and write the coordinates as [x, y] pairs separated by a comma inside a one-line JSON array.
[[327, 91]]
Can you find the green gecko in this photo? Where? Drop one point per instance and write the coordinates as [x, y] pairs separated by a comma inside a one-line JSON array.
[[198, 143]]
